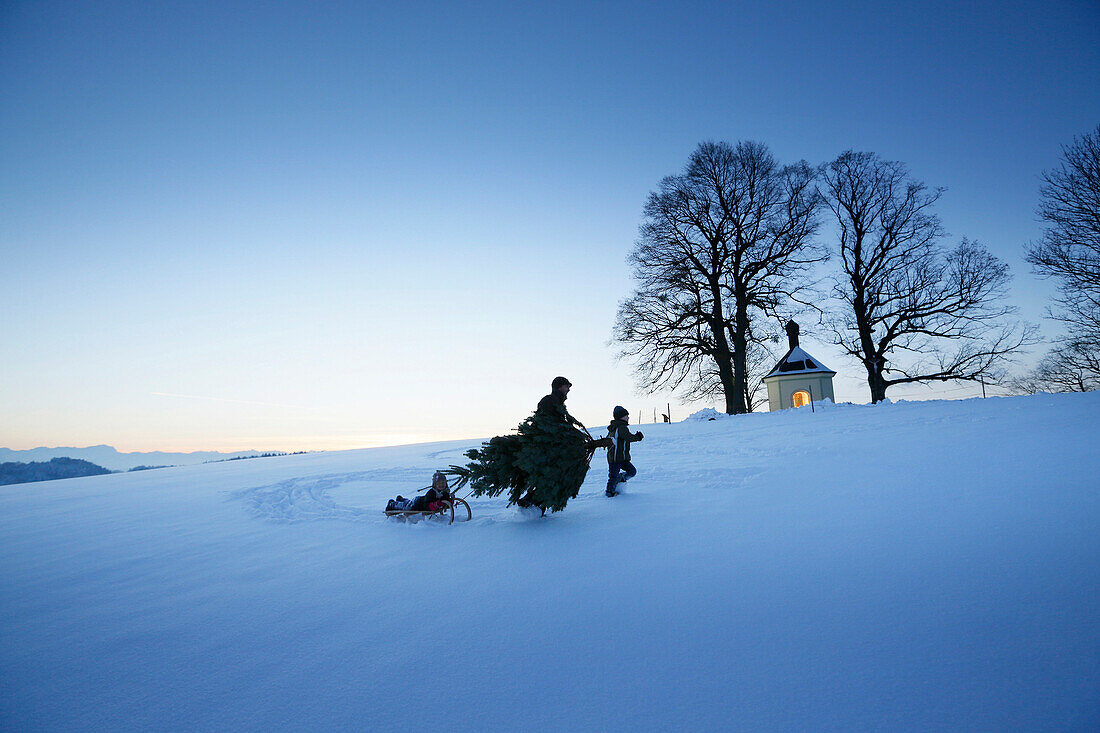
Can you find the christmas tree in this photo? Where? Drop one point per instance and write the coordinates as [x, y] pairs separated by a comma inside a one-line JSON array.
[[543, 464]]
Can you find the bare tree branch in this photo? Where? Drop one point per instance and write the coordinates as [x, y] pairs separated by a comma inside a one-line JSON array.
[[1069, 367], [1070, 253]]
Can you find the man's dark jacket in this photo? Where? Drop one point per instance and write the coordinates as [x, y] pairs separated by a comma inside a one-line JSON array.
[[553, 405]]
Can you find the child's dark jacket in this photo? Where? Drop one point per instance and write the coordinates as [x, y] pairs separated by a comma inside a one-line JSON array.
[[621, 438]]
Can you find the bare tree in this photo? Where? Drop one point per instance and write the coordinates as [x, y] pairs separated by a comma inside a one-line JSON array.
[[1071, 366], [718, 251], [913, 311], [1070, 252]]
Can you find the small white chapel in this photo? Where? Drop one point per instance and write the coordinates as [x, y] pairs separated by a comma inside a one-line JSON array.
[[798, 379]]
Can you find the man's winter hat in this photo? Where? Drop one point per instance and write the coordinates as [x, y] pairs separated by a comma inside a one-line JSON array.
[[619, 412], [559, 381]]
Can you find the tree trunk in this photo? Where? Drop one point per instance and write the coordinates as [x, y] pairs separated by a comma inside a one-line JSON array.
[[725, 372], [876, 381], [722, 356], [872, 360], [740, 361]]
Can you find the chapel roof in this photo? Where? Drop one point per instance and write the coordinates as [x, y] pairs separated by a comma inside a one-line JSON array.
[[797, 361]]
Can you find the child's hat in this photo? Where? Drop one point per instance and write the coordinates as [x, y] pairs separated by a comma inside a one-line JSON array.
[[619, 412]]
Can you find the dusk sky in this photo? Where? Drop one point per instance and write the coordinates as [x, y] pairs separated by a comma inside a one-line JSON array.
[[335, 225]]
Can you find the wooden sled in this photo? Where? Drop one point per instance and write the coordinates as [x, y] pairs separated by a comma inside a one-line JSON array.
[[448, 511]]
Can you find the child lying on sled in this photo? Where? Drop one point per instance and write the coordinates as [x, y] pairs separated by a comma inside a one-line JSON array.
[[431, 501]]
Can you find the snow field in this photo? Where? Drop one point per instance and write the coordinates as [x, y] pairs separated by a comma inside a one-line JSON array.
[[906, 567]]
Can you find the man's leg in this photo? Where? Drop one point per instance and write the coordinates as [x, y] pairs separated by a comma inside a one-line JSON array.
[[628, 469]]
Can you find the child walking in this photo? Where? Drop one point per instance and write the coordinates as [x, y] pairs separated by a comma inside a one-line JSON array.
[[619, 467]]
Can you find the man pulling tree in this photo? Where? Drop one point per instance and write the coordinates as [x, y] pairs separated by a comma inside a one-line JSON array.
[[553, 404], [542, 464]]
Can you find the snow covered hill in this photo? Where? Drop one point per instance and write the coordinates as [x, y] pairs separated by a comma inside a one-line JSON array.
[[916, 566]]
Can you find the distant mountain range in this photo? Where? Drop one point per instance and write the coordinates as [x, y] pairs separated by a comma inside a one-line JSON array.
[[108, 457]]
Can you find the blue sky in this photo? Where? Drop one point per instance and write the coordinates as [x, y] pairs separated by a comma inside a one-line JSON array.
[[330, 225]]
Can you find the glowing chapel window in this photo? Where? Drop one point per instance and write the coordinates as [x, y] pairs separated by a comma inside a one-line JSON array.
[[800, 399]]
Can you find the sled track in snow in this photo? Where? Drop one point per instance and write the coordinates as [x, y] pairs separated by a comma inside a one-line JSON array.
[[306, 498]]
